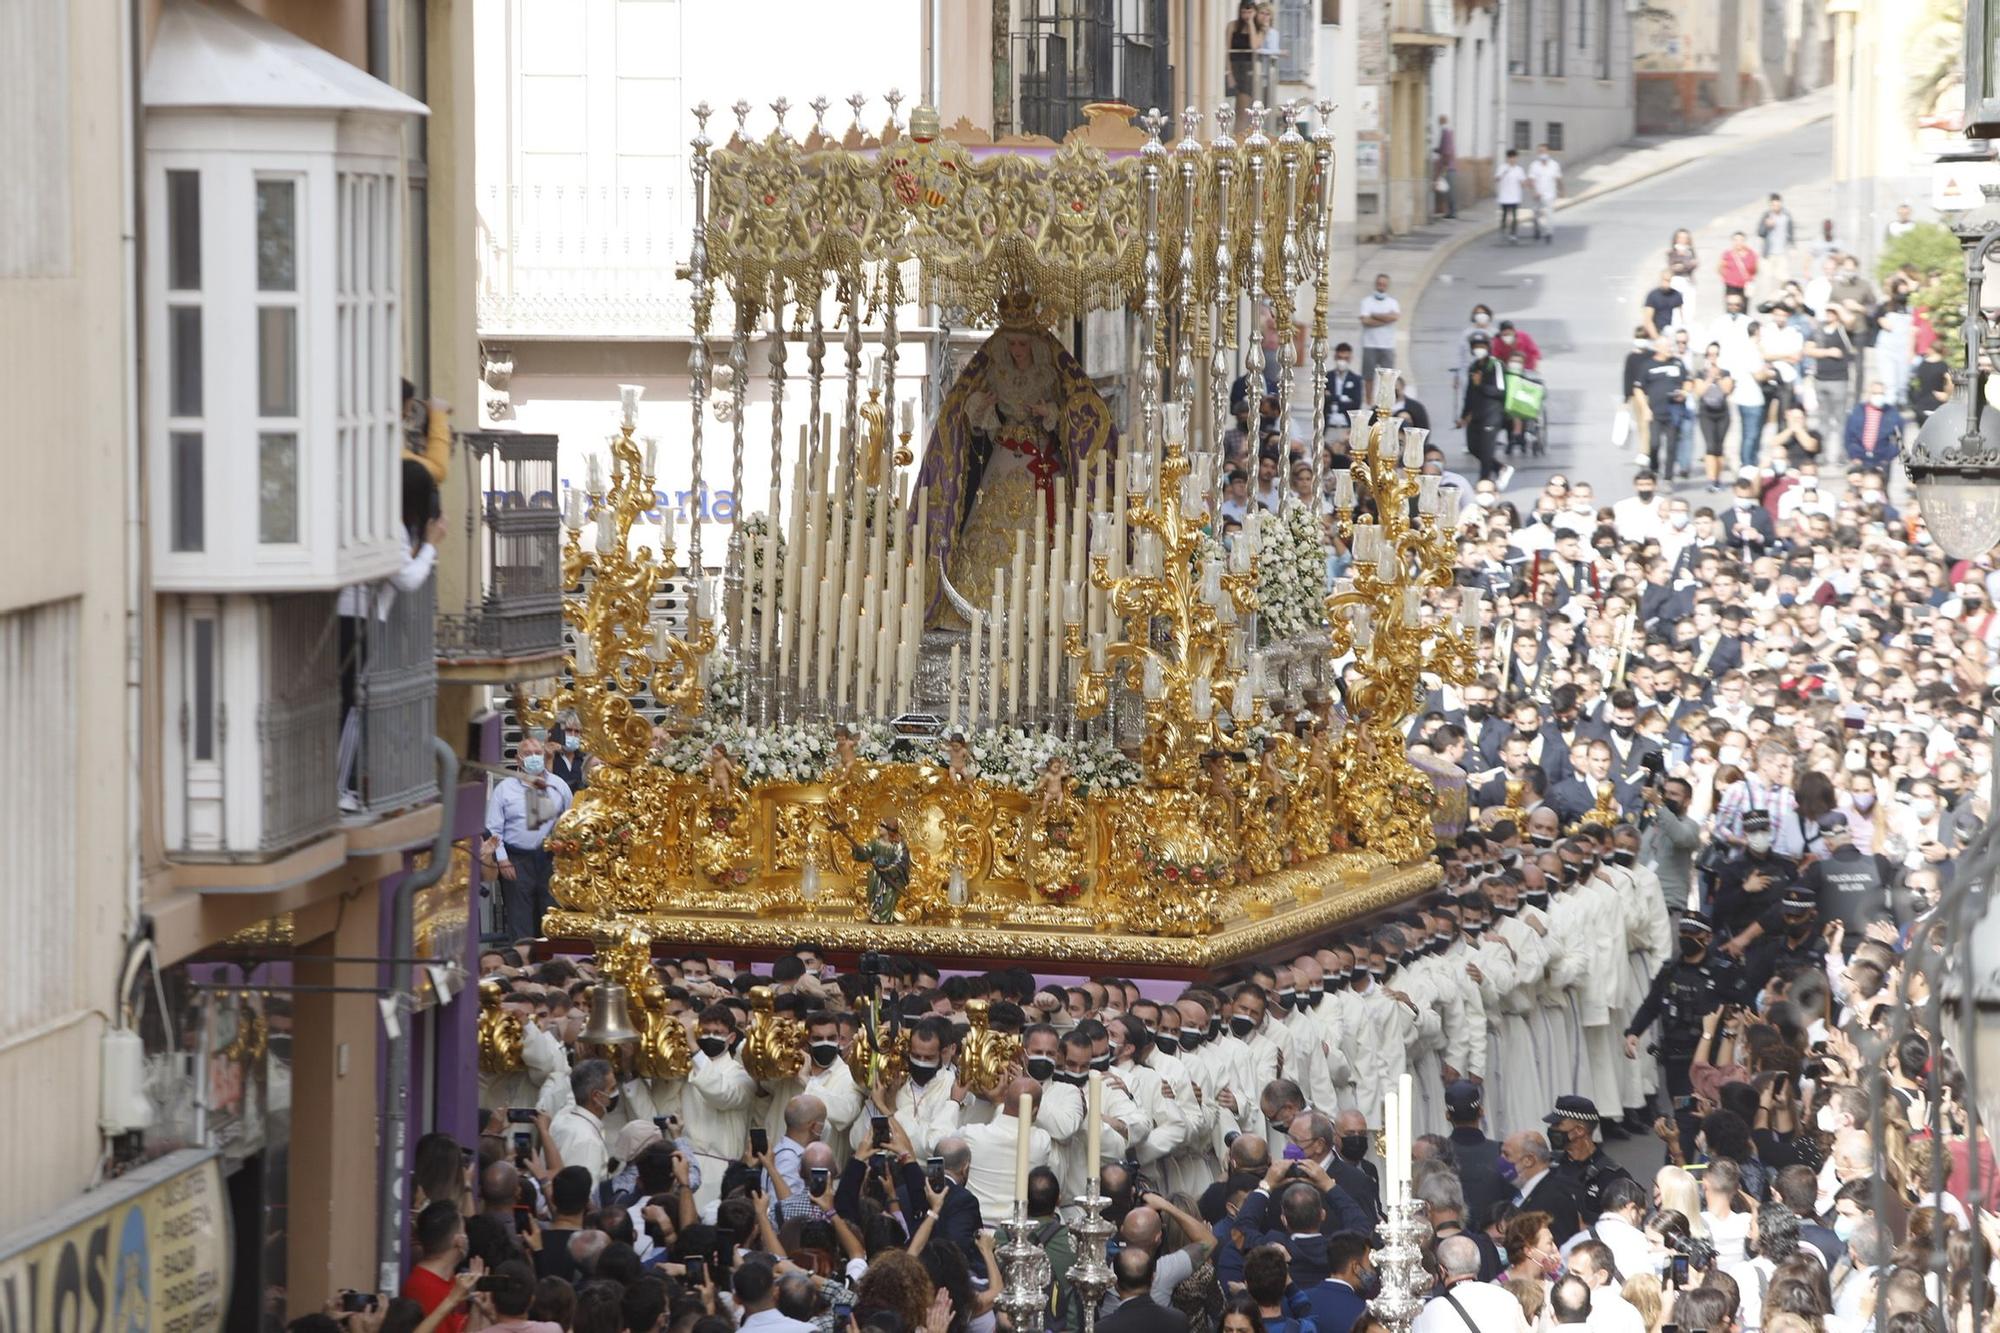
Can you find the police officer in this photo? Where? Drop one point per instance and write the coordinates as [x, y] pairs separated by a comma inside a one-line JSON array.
[[1850, 887], [1683, 992], [1788, 933], [1750, 883], [1581, 1163]]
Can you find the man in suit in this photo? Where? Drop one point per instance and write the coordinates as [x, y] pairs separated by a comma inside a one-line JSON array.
[[1337, 1302], [1144, 1230], [1351, 1169], [1621, 731], [1746, 525], [957, 1208], [1136, 1311], [1536, 1185], [1343, 388], [1874, 431], [1478, 1156], [1576, 794], [1309, 1209]]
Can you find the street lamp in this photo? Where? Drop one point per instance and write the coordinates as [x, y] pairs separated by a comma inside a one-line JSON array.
[[1955, 467], [1982, 69]]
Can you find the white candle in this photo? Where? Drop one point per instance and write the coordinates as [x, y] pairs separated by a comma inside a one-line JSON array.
[[1072, 604], [909, 416], [1154, 682], [1024, 1123], [594, 470], [652, 457], [585, 656], [1094, 1128], [1037, 602], [1427, 494], [1343, 488], [1405, 1105], [768, 630], [1017, 636], [951, 711], [823, 653], [875, 374], [607, 532], [1098, 651], [845, 669], [573, 509], [972, 679], [1448, 507], [628, 404], [1200, 698], [1385, 388], [995, 665], [1389, 1146]]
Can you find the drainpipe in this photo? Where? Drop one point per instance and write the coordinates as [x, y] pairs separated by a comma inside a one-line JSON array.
[[378, 40], [396, 1112]]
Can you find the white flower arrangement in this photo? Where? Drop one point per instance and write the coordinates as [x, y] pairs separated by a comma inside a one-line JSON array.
[[804, 752], [1291, 574]]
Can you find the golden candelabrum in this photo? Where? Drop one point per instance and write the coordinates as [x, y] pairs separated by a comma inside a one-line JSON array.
[[1400, 528], [621, 654]]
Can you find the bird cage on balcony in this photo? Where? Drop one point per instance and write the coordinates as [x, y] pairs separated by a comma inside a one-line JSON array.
[[513, 607]]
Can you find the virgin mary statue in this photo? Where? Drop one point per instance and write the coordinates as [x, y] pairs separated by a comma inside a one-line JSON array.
[[1021, 417]]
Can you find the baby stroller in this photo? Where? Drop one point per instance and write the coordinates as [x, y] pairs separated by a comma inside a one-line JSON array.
[[1527, 414]]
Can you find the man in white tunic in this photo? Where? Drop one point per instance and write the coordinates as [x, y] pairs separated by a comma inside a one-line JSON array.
[[715, 1105], [825, 1075]]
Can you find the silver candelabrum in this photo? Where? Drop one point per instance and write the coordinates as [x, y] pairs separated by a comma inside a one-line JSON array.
[[1090, 1276], [1405, 1284], [1025, 1298]]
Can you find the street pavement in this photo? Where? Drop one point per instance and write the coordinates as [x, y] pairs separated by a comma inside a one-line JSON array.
[[1580, 297]]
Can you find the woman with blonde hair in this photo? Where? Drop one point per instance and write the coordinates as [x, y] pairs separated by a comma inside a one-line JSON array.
[[1674, 1187], [1642, 1293]]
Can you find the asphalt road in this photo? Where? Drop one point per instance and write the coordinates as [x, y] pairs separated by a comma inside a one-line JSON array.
[[1580, 296]]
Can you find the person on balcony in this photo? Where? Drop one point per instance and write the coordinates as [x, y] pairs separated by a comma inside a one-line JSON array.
[[520, 812], [424, 527]]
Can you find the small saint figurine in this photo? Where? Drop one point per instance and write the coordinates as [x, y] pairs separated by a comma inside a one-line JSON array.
[[846, 752], [888, 858], [960, 766]]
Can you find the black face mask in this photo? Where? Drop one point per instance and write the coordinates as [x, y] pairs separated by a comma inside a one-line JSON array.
[[1477, 712], [1286, 999], [1310, 999], [1074, 1080], [1541, 841], [1334, 982], [1242, 1024], [1558, 1141], [1693, 949], [1102, 1063], [824, 1053], [1168, 1042], [1539, 900], [921, 1072], [1389, 967], [1526, 733], [1624, 858], [1041, 1068], [713, 1047], [1191, 1038], [1214, 1028], [612, 1105], [1800, 925], [1624, 730], [1353, 1147]]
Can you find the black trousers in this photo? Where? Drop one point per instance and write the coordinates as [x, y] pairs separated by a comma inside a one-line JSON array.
[[524, 898]]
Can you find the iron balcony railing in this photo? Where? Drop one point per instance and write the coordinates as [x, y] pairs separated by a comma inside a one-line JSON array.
[[1070, 53], [396, 699], [513, 601], [298, 720]]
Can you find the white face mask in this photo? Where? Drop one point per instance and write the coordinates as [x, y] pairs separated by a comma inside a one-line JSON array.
[[1827, 1120], [1482, 319], [1757, 842], [1479, 354], [1729, 754], [1677, 521]]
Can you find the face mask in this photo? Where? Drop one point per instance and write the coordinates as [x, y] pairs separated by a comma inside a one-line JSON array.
[[1168, 1042], [824, 1053], [1558, 1141], [1692, 950], [1757, 842], [1477, 712], [1482, 319], [1102, 1063], [1242, 1025], [1729, 754], [921, 1071], [1864, 801], [1214, 1028], [1074, 1080], [1191, 1038], [1041, 1068], [1923, 809], [1371, 1285], [1624, 730], [1845, 1225], [1389, 968], [611, 1105], [1353, 1147], [1624, 858], [1310, 999], [1335, 982], [1677, 521], [713, 1047], [1486, 499], [1538, 900], [1287, 998], [531, 764], [572, 742], [1479, 354], [1543, 841], [1342, 364]]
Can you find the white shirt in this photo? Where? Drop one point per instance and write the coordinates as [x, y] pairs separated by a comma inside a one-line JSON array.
[[1507, 183], [1612, 1313], [1492, 1307], [579, 1137], [770, 1321], [358, 599], [991, 1176], [715, 1107], [1637, 519], [1545, 174], [1628, 1245], [1379, 335]]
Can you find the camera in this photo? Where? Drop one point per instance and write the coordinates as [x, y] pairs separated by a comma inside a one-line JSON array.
[[873, 964], [357, 1302], [1697, 1252]]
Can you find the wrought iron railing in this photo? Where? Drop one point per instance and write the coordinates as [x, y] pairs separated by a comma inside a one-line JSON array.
[[1070, 53], [513, 606], [298, 720], [396, 699]]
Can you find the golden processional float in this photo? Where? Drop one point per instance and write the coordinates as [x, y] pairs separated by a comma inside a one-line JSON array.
[[1039, 705]]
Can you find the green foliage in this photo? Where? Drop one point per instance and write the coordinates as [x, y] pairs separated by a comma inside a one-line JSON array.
[[1934, 252]]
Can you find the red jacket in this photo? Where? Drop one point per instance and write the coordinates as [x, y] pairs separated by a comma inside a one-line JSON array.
[[1738, 267], [1507, 344]]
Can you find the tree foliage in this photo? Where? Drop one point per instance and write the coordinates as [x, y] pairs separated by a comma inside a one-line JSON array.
[[1933, 251]]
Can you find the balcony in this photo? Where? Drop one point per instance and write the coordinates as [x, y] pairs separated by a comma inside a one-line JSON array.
[[395, 704], [577, 261], [1070, 53], [510, 626]]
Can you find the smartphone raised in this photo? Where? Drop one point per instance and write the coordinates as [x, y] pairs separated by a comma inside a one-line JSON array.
[[1680, 1270], [357, 1302], [696, 1272], [521, 1115], [760, 1140], [817, 1178], [934, 1169], [880, 1125]]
